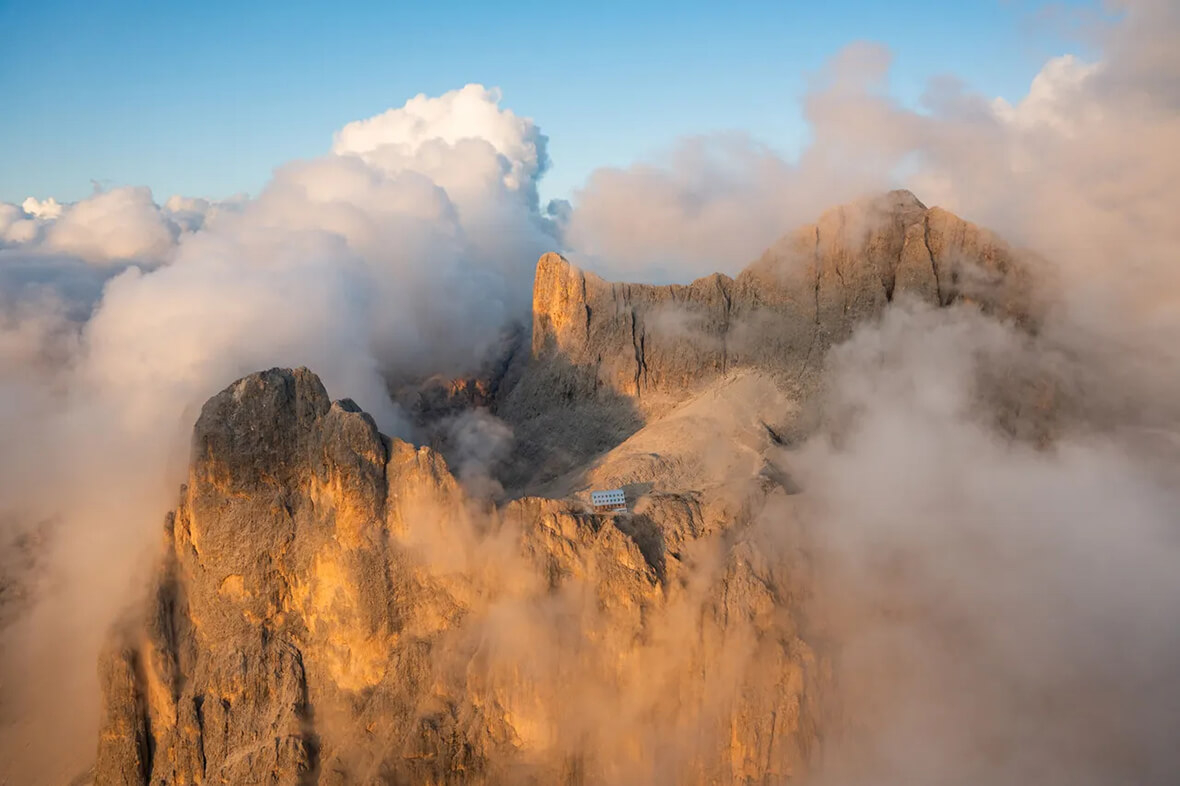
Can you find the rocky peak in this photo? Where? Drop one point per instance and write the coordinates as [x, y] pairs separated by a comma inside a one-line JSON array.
[[560, 314], [899, 200], [274, 585], [805, 293], [613, 354], [331, 608]]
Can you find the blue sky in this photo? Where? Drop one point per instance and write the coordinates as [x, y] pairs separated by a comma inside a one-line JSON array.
[[205, 99]]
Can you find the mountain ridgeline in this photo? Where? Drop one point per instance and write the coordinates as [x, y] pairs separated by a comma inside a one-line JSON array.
[[333, 606], [606, 357]]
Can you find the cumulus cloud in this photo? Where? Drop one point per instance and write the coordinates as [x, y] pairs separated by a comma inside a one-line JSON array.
[[409, 136], [193, 213], [123, 223], [116, 226], [17, 226], [44, 210], [109, 227], [1053, 97], [713, 204]]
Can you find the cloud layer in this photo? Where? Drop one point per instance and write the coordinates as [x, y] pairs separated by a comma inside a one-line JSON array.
[[1002, 607]]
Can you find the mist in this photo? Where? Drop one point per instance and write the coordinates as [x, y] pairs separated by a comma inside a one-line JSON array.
[[1003, 606]]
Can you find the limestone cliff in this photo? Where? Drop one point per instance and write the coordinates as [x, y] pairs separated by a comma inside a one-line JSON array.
[[781, 312], [606, 355], [332, 609]]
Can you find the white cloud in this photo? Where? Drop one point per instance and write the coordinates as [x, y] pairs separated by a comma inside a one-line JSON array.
[[115, 226], [17, 227], [120, 224], [46, 210], [1053, 98], [190, 213], [409, 136]]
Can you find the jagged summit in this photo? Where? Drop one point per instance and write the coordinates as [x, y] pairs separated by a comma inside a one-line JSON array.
[[614, 354], [331, 608], [809, 290], [900, 198]]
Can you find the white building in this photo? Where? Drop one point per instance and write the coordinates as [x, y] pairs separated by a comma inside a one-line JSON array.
[[608, 501]]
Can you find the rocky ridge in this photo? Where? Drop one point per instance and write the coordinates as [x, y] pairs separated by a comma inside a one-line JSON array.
[[606, 357], [333, 609], [806, 293]]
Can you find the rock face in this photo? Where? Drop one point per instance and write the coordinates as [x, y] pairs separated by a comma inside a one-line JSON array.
[[332, 609], [806, 293], [606, 355]]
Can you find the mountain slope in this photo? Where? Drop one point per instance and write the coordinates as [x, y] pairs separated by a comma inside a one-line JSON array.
[[332, 608]]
